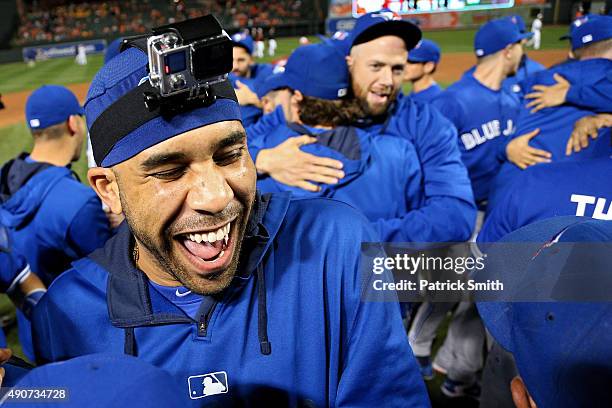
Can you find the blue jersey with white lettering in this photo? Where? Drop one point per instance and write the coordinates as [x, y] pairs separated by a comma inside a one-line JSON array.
[[565, 188], [292, 328], [383, 179], [556, 124], [426, 95], [484, 118]]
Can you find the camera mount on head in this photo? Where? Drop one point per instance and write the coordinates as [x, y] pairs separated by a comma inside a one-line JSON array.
[[186, 61]]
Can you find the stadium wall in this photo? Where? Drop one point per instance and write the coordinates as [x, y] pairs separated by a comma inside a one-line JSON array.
[[8, 21]]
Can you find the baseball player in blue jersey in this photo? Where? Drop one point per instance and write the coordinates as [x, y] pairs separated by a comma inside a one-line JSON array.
[[245, 75], [561, 339], [548, 130], [590, 37], [498, 46], [55, 219], [377, 48], [258, 297], [422, 62], [584, 192], [382, 178]]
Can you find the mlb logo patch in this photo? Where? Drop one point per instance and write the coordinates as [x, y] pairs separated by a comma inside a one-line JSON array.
[[205, 385]]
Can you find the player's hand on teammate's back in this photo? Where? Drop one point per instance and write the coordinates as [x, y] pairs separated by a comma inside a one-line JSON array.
[[585, 128], [5, 355], [548, 96], [246, 96], [520, 153], [289, 165]]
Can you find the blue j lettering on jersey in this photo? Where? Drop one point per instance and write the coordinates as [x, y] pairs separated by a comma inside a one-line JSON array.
[[487, 131]]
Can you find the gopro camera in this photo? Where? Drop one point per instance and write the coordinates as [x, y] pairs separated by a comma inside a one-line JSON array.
[[175, 67], [185, 62]]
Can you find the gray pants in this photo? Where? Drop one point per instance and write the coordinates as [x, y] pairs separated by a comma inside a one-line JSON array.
[[462, 352]]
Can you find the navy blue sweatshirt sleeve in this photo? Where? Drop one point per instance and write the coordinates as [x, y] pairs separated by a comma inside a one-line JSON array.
[[89, 229], [448, 213]]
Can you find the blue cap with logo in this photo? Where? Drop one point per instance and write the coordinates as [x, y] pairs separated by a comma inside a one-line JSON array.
[[103, 380], [243, 40], [496, 35], [317, 70], [425, 51], [119, 77], [381, 23], [590, 29], [562, 345], [50, 105]]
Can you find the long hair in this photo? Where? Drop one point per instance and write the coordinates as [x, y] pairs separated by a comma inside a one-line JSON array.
[[323, 112]]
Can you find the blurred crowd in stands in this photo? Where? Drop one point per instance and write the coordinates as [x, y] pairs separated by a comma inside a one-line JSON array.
[[41, 23]]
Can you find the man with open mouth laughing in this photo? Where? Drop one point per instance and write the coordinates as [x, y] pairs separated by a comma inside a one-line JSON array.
[[248, 300]]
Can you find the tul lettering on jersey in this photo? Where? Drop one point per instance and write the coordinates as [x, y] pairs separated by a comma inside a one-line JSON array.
[[487, 131], [599, 212]]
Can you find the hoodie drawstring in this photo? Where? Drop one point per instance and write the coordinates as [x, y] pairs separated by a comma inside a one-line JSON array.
[[262, 313], [129, 345]]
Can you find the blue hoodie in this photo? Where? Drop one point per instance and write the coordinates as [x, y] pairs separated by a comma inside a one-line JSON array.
[[383, 179], [443, 204], [54, 219], [259, 72], [484, 118], [290, 330], [556, 124], [566, 188]]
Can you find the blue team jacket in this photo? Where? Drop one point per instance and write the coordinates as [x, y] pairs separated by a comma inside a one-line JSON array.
[[290, 330], [484, 118], [54, 219], [566, 188], [556, 124], [383, 179], [427, 95], [259, 72]]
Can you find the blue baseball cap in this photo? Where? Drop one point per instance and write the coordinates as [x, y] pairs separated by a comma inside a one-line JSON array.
[[317, 70], [117, 78], [519, 21], [590, 29], [496, 35], [425, 51], [112, 49], [380, 23], [243, 40], [561, 348], [103, 380], [50, 105]]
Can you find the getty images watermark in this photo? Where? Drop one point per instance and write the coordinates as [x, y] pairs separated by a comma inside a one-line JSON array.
[[526, 271]]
